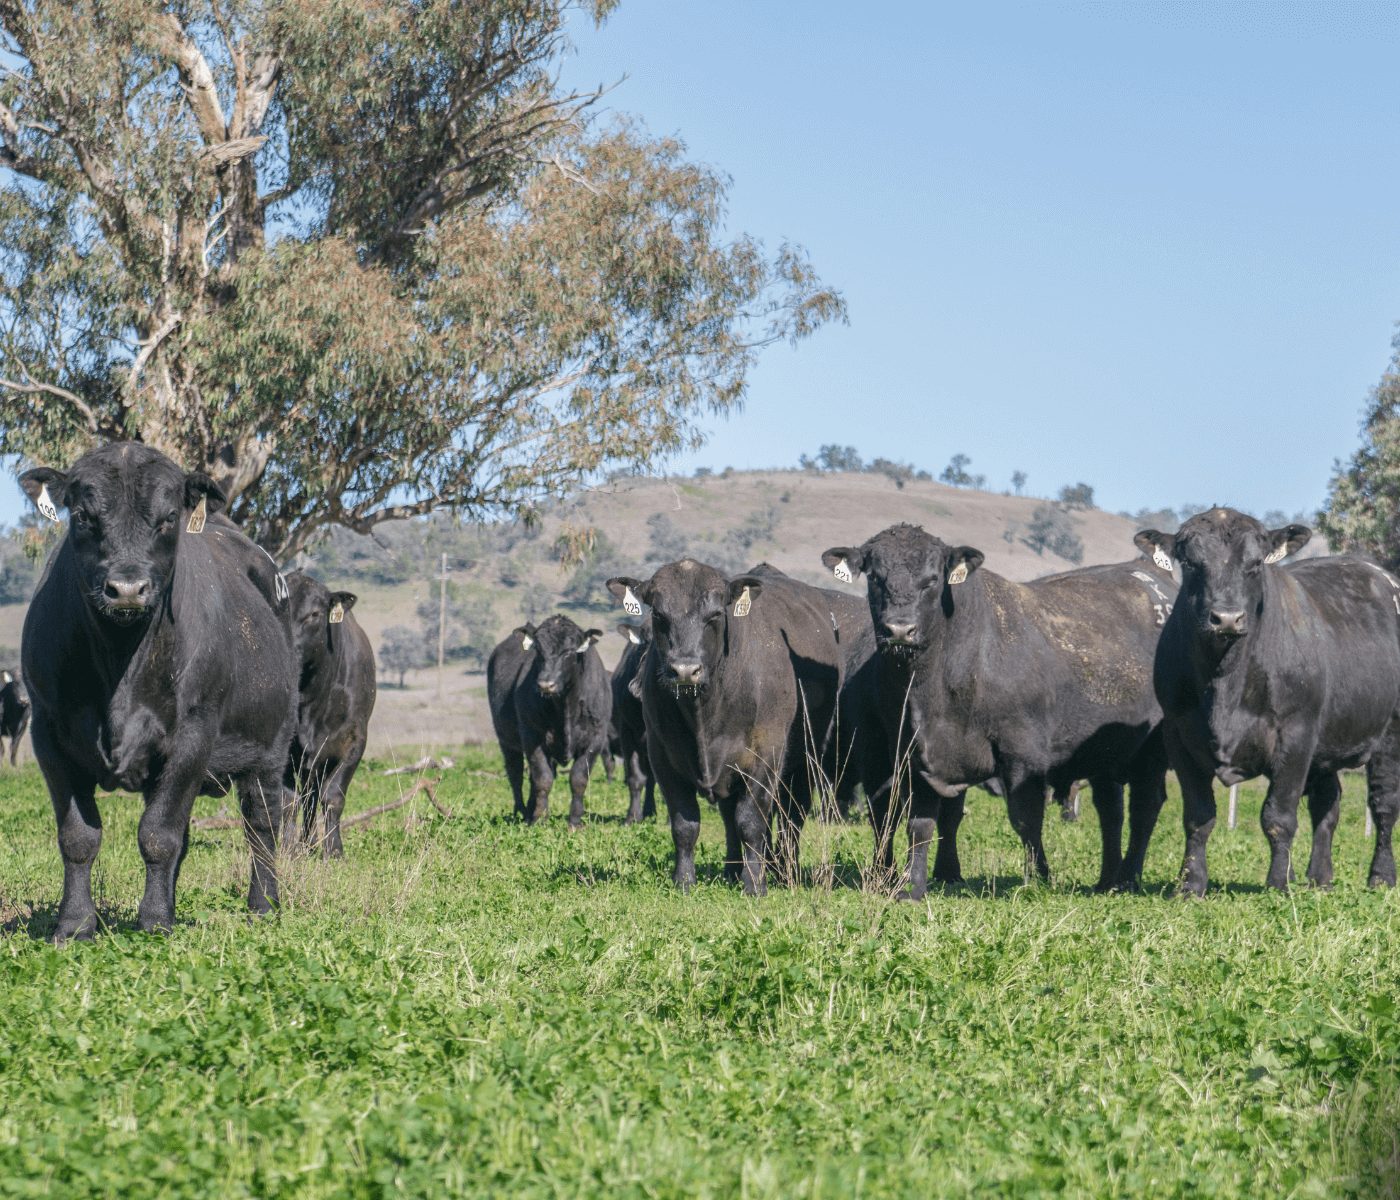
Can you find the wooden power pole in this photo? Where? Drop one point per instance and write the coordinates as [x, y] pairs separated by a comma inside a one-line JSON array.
[[442, 622]]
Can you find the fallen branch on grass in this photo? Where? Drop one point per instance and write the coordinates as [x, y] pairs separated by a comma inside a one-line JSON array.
[[426, 763], [427, 786]]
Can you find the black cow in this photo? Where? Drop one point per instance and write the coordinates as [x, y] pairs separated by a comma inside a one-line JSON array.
[[1027, 685], [629, 723], [337, 694], [551, 703], [1288, 672], [14, 712], [739, 687], [155, 663]]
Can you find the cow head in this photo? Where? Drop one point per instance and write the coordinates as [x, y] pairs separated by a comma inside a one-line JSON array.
[[691, 605], [559, 647], [1224, 555], [316, 610], [128, 506], [907, 573]]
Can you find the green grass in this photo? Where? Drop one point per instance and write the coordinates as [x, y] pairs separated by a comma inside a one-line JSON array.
[[471, 1007]]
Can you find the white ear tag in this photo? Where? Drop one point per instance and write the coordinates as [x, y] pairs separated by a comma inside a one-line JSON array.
[[198, 517], [1274, 555], [630, 604], [842, 571], [337, 613], [526, 641], [45, 504], [743, 604], [633, 638], [957, 574], [9, 678], [1162, 558]]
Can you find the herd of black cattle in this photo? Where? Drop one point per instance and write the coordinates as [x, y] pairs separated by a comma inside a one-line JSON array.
[[165, 654]]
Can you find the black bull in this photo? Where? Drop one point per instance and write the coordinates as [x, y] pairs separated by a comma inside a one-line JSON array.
[[158, 660], [1027, 686]]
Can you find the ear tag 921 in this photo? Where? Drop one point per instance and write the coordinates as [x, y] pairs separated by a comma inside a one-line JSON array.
[[842, 571], [630, 604], [198, 517], [45, 504], [743, 604], [1274, 555], [1162, 558], [337, 614], [957, 574]]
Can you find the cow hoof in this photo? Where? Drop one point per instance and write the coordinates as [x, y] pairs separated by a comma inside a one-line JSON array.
[[1127, 887], [74, 931], [1379, 881], [1321, 884], [908, 894], [575, 826], [156, 925], [949, 880]]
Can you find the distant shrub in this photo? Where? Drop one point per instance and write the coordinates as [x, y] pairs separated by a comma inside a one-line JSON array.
[[1050, 528]]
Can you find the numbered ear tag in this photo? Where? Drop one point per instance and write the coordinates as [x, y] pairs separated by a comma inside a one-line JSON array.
[[957, 574], [1162, 558], [198, 517], [280, 587], [45, 503], [743, 604], [1274, 555], [526, 641], [630, 604], [633, 638], [842, 571], [9, 678], [337, 613]]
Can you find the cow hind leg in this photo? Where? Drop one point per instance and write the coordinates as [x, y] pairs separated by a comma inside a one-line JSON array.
[[946, 867], [541, 780], [515, 773], [260, 798], [1279, 820], [793, 803], [752, 823], [333, 799], [1383, 798], [1108, 803], [1025, 805], [733, 843], [1147, 792], [684, 813], [1324, 807], [636, 781]]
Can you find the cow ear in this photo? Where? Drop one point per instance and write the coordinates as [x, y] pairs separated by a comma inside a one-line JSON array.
[[629, 632], [341, 603], [590, 639], [632, 592], [1159, 547], [47, 488], [198, 486], [741, 592], [845, 562], [1285, 541], [962, 561], [527, 635]]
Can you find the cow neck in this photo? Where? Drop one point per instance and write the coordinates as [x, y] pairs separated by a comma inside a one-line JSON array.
[[114, 648], [1223, 678], [961, 607]]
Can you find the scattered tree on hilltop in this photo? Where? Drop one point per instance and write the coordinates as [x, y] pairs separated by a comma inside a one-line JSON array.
[[1050, 528], [1018, 481], [1077, 495], [832, 458], [957, 474], [359, 259]]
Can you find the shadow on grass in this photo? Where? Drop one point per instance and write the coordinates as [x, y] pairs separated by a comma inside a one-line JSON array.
[[38, 921]]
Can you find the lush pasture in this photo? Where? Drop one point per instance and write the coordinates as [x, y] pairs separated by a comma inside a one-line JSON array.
[[469, 1006]]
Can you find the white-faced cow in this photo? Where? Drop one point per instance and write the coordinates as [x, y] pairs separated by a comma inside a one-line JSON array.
[[14, 711], [629, 722], [739, 687], [336, 699], [1026, 685], [551, 703], [1287, 671], [156, 663]]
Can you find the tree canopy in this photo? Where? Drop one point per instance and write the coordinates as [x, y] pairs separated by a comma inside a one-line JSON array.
[[359, 259]]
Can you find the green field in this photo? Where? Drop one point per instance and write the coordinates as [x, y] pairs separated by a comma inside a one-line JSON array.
[[471, 1007]]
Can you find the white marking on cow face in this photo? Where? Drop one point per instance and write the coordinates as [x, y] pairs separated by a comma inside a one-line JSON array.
[[842, 571], [1162, 558], [957, 574], [743, 604], [45, 503], [630, 604], [198, 517]]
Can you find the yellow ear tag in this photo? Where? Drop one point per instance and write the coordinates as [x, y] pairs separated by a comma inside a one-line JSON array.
[[1274, 555], [743, 604], [337, 613], [957, 574], [198, 517], [1162, 558]]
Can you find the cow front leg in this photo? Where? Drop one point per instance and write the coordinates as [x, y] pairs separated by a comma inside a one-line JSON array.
[[923, 820], [1324, 807], [515, 773], [1025, 806], [1197, 812], [636, 781], [684, 813], [1383, 798], [1108, 803], [333, 793], [1279, 820], [260, 799], [541, 780], [163, 836], [946, 866], [578, 786], [751, 816], [884, 817], [79, 840]]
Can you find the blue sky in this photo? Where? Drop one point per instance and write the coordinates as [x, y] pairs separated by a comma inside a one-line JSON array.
[[1155, 247]]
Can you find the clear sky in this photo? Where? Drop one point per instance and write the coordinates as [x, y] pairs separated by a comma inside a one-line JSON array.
[[1152, 246]]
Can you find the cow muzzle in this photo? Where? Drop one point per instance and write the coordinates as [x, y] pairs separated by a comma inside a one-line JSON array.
[[1227, 623], [685, 678], [548, 687], [126, 600]]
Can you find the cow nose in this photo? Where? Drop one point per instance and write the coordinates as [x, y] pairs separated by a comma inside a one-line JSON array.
[[900, 633], [128, 592], [1227, 624], [548, 687], [688, 672]]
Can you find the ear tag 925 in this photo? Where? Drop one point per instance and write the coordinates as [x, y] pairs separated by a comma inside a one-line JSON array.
[[743, 604], [1274, 555], [1162, 558], [337, 614], [45, 504], [198, 517], [957, 574], [630, 604], [842, 571]]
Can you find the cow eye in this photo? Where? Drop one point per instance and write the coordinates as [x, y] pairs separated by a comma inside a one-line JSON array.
[[659, 623], [82, 519], [714, 618]]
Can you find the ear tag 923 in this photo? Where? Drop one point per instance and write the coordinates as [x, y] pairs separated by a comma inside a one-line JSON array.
[[198, 517], [1162, 558], [743, 604], [1274, 555], [45, 504], [337, 614], [630, 604], [957, 574], [842, 571]]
